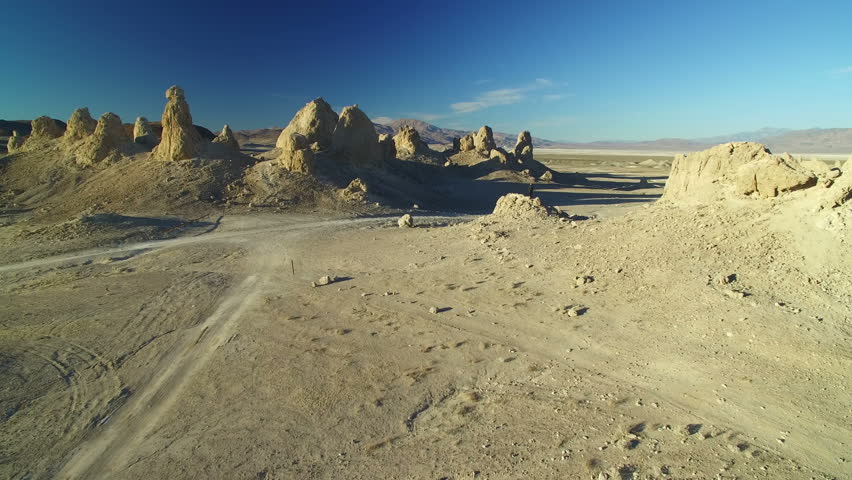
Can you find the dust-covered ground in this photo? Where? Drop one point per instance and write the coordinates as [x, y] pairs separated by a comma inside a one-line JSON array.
[[636, 340]]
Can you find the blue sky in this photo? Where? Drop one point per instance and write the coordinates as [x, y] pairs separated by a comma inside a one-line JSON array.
[[564, 70]]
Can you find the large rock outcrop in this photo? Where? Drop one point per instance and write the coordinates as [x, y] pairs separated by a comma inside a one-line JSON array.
[[524, 147], [296, 154], [143, 133], [355, 139], [226, 137], [105, 141], [43, 130], [743, 168], [316, 121], [179, 140], [387, 146], [466, 143], [16, 142], [80, 125], [483, 140], [408, 143]]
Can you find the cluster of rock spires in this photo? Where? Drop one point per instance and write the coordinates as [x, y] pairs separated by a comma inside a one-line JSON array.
[[93, 142], [349, 137]]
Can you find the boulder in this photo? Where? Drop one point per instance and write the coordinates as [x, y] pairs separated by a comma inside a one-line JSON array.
[[524, 147], [296, 154], [387, 146], [355, 140], [408, 142], [546, 176], [356, 191], [80, 125], [744, 167], [179, 140], [226, 137], [16, 142], [517, 206], [405, 221], [143, 133], [483, 140], [103, 144], [316, 121], [466, 143]]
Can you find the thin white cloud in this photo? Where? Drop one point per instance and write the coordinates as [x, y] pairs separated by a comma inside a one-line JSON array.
[[843, 71], [383, 120], [503, 96], [426, 117], [551, 97]]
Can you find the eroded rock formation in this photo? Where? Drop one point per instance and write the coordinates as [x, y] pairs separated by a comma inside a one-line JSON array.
[[296, 154], [483, 140], [408, 142], [103, 144], [143, 133], [179, 140], [316, 121], [355, 139], [16, 142], [387, 146], [466, 143], [226, 137], [80, 125], [524, 147], [744, 167]]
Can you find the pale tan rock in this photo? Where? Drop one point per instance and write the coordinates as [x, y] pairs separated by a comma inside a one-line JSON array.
[[524, 147], [355, 140], [80, 125], [405, 221], [316, 121], [466, 143], [546, 176], [143, 134], [387, 146], [105, 141], [501, 155], [296, 154], [483, 140], [744, 167], [44, 129], [408, 142], [16, 142], [179, 140], [356, 191], [517, 206], [226, 137]]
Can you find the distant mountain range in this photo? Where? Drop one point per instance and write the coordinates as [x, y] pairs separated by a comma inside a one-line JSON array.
[[815, 140]]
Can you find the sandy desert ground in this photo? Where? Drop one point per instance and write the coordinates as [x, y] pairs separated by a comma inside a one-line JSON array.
[[636, 340]]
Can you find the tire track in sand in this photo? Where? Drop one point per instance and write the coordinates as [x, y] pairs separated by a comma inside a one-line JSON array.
[[111, 449]]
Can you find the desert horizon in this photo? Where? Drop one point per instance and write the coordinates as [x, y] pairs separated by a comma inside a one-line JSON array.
[[411, 278]]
